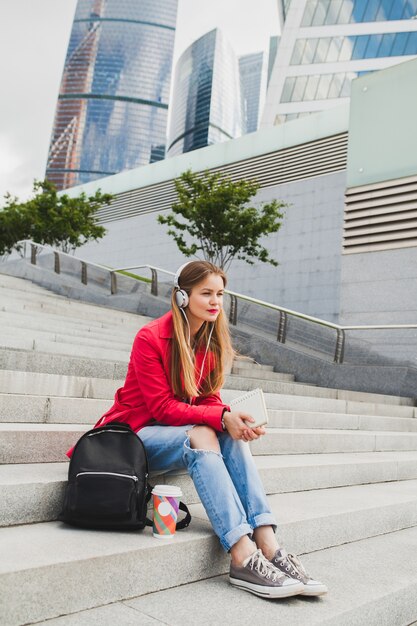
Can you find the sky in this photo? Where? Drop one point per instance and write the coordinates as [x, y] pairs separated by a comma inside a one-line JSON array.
[[34, 36]]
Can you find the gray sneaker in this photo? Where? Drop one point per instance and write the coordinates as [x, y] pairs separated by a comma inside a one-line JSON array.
[[260, 577], [291, 566]]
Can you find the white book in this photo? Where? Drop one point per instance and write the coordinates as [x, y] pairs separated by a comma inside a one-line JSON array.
[[253, 403]]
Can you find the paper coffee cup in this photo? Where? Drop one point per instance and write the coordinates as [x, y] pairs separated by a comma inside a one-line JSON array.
[[166, 500]]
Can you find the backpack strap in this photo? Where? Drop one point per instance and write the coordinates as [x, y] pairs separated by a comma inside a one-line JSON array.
[[184, 523]]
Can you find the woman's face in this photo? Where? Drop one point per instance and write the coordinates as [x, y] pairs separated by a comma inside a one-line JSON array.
[[206, 300]]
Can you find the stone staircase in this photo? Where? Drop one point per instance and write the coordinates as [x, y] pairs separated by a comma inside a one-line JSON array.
[[339, 467]]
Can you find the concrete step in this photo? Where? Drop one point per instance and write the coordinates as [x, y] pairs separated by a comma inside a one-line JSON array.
[[33, 492], [373, 598], [291, 400], [69, 365], [261, 375], [53, 325], [15, 407], [246, 363], [70, 349], [40, 384], [47, 443], [63, 307], [296, 388], [64, 570], [11, 335]]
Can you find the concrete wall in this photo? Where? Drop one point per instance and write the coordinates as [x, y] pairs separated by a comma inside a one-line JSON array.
[[308, 248], [379, 287]]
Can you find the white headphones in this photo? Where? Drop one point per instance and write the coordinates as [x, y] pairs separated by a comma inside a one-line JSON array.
[[181, 296]]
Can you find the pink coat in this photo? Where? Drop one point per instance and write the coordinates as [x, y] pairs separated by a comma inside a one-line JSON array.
[[147, 397]]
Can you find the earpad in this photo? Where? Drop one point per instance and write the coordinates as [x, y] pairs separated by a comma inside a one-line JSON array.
[[181, 298]]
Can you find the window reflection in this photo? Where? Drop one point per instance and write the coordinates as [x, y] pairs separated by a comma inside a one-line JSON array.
[[338, 49], [328, 12]]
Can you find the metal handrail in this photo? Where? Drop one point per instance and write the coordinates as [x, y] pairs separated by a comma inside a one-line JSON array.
[[284, 312]]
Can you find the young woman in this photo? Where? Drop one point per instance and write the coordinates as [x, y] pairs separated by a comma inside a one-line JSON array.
[[171, 397]]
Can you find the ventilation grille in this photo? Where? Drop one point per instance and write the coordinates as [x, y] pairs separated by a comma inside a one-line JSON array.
[[381, 216], [304, 161]]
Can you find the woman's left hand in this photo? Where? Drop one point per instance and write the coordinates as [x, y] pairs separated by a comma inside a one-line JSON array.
[[249, 434]]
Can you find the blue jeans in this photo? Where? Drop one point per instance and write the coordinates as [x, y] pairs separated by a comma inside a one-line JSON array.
[[227, 482]]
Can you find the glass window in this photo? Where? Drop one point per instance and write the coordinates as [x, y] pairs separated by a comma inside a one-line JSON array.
[[345, 91], [386, 45], [409, 10], [297, 54], [346, 49], [371, 11], [359, 9], [311, 87], [334, 49], [345, 14], [396, 11], [336, 85], [411, 47], [400, 42], [360, 47], [372, 47], [333, 12], [321, 12], [288, 89], [299, 88], [309, 12], [310, 50], [322, 50], [323, 88]]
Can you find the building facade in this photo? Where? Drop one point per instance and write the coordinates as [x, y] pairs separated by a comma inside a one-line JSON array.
[[206, 107], [112, 106], [253, 78], [325, 44]]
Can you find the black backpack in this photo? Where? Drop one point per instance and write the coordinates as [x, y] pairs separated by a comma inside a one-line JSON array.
[[108, 481]]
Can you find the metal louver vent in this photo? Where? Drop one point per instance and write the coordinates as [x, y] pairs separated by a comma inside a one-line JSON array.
[[382, 216], [308, 160]]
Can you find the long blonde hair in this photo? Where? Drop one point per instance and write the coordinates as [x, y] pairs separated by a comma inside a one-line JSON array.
[[220, 354]]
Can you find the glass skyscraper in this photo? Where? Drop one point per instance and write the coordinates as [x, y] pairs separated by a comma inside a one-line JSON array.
[[113, 102], [206, 106], [253, 77], [327, 43]]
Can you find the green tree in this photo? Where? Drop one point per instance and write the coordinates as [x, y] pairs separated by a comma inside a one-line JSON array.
[[56, 220], [215, 215]]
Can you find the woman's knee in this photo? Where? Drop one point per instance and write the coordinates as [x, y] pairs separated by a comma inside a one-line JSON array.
[[204, 438]]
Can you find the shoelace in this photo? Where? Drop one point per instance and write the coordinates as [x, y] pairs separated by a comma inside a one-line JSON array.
[[265, 568], [292, 561]]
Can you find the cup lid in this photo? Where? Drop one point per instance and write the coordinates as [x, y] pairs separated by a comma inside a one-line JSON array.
[[167, 490]]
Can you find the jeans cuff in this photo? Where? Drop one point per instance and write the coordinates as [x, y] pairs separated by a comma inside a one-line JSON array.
[[233, 536], [264, 519]]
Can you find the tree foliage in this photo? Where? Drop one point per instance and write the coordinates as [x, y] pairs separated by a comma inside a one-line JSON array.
[[51, 219], [213, 215]]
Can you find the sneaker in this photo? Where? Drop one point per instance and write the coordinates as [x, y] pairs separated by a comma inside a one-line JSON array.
[[260, 577], [291, 566]]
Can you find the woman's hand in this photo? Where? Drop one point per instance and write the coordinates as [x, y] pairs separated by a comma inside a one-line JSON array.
[[237, 429]]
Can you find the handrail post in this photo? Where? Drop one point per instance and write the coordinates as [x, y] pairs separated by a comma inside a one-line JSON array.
[[84, 272], [154, 284], [113, 283], [282, 327], [233, 310], [33, 253], [340, 346], [57, 263]]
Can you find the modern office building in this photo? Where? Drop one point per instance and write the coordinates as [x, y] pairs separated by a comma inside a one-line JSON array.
[[206, 105], [113, 102], [253, 79], [327, 43]]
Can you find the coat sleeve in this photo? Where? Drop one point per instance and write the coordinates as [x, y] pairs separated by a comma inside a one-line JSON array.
[[157, 393]]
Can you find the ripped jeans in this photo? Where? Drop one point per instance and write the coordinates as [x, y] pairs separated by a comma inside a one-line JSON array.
[[227, 483]]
